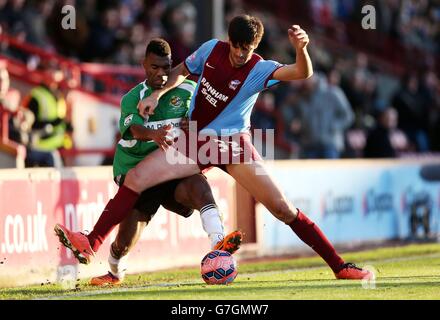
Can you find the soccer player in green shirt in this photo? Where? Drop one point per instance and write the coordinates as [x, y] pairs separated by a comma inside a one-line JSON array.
[[139, 137]]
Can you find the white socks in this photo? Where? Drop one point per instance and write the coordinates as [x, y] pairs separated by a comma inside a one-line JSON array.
[[212, 223], [118, 267]]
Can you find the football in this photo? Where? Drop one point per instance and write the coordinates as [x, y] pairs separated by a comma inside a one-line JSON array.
[[218, 267]]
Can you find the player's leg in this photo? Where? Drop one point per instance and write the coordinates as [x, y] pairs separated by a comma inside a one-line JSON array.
[[195, 192], [151, 171], [154, 169], [257, 181], [129, 233]]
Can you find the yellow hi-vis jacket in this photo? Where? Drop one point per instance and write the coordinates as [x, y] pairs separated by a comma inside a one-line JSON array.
[[49, 110]]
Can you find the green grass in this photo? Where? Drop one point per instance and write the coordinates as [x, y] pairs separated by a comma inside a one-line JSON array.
[[408, 272]]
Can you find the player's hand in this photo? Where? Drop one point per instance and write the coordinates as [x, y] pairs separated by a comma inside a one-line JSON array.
[[298, 37], [147, 106], [163, 137]]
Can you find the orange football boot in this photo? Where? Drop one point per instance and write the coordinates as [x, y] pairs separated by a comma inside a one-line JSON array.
[[231, 242], [106, 280]]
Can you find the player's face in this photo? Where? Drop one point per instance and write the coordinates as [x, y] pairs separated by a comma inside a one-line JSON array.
[[239, 55], [157, 70]]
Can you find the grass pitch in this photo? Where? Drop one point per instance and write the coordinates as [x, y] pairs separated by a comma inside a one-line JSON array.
[[404, 272]]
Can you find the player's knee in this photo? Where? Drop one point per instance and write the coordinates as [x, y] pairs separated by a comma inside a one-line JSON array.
[[283, 211], [200, 191]]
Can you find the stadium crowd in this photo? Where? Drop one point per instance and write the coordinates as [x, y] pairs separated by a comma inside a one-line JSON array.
[[372, 90]]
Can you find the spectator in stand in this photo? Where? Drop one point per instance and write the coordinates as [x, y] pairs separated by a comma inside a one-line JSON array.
[[431, 93], [3, 16], [4, 81], [19, 119], [320, 119], [8, 98], [50, 130], [263, 115], [322, 14], [35, 16], [360, 86], [289, 116], [385, 140], [69, 42], [14, 13], [180, 24], [413, 112], [104, 36], [419, 24]]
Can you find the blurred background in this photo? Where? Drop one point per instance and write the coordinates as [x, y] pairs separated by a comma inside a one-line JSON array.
[[375, 93]]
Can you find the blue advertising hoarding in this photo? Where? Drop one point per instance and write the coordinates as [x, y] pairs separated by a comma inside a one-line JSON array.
[[354, 203]]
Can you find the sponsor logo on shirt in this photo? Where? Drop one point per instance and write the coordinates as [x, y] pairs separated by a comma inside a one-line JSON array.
[[175, 126], [234, 84], [212, 95]]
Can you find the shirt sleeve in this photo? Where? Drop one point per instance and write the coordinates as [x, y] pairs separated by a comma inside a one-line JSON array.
[[195, 62], [129, 115], [188, 87], [264, 70]]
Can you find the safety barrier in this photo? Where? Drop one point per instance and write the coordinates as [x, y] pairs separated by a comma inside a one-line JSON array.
[[355, 202], [32, 201]]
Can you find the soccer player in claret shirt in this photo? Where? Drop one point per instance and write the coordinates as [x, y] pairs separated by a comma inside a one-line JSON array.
[[231, 76], [141, 137]]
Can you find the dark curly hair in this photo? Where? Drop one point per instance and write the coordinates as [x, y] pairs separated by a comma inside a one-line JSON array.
[[245, 30], [159, 47]]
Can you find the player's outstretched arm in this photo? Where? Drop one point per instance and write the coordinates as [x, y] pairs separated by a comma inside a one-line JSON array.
[[303, 68], [177, 75]]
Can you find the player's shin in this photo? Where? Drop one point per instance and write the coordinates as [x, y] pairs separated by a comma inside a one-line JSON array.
[[212, 223], [118, 266], [310, 233], [116, 210]]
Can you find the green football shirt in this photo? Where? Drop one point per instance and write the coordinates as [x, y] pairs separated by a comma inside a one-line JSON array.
[[171, 108]]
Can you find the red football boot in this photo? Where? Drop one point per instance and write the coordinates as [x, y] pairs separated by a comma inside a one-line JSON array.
[[75, 241]]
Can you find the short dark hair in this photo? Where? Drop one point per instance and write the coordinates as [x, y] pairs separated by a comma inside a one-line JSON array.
[[245, 30], [159, 47]]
